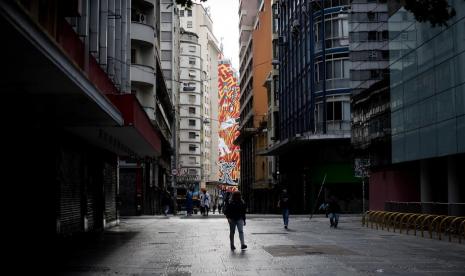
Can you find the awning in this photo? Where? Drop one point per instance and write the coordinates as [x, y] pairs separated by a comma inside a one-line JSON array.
[[137, 138], [295, 142], [44, 83]]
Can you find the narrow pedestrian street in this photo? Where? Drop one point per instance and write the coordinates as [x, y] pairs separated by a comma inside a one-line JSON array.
[[199, 246]]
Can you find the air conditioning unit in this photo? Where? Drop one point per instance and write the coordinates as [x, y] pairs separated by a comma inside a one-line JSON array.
[[192, 75]]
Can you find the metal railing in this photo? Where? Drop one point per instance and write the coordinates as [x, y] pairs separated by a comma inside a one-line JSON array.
[[434, 208], [436, 225]]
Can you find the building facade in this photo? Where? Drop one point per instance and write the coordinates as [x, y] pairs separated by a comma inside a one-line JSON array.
[[144, 182], [190, 113], [427, 112], [370, 101], [314, 105], [76, 61], [255, 65], [197, 20]]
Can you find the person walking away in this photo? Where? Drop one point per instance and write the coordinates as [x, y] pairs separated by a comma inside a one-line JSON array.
[[215, 203], [206, 202], [333, 209], [202, 206], [283, 203], [235, 213], [189, 202], [220, 203], [166, 202]]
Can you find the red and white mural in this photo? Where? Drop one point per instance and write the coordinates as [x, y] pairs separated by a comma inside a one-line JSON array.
[[228, 117]]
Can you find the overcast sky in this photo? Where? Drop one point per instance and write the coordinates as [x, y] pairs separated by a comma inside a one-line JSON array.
[[226, 26]]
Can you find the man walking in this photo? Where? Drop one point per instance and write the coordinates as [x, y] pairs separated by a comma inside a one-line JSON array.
[[333, 209], [235, 213], [283, 203]]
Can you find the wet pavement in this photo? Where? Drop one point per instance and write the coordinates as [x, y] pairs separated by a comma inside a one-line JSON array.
[[200, 246]]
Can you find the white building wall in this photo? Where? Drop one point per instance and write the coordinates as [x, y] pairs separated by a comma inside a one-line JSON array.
[[201, 24]]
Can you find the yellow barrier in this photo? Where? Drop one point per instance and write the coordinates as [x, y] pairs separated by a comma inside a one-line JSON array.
[[462, 228], [439, 224]]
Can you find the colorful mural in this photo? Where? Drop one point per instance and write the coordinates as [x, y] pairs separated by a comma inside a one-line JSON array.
[[228, 117]]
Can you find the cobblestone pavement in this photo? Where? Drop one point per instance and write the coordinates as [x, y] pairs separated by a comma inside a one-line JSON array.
[[199, 246]]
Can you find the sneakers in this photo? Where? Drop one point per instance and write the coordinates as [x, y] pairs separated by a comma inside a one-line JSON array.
[[285, 226], [233, 247], [243, 246]]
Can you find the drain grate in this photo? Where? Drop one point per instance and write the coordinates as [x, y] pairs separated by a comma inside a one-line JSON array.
[[162, 232], [302, 250]]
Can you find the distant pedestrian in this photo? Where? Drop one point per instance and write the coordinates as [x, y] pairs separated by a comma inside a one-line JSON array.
[[202, 206], [206, 201], [189, 202], [215, 204], [333, 209], [283, 203], [235, 213], [220, 203], [166, 201]]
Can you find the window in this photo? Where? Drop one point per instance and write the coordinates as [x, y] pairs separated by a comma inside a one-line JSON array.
[[189, 24], [192, 48], [181, 13], [192, 123], [189, 13], [192, 135], [166, 17], [192, 98], [192, 147], [192, 60], [165, 55], [191, 160], [165, 36], [191, 110], [133, 56]]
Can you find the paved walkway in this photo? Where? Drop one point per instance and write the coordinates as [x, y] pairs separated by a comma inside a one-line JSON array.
[[199, 246]]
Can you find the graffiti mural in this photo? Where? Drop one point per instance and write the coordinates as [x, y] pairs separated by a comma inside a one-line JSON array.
[[228, 117]]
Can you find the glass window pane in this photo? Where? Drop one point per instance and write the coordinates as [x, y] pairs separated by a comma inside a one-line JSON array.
[[338, 69], [338, 111], [329, 111]]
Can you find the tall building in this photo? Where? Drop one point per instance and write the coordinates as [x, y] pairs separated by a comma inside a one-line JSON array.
[[190, 113], [69, 67], [272, 86], [427, 111], [255, 64], [369, 56], [196, 20], [314, 105], [144, 181]]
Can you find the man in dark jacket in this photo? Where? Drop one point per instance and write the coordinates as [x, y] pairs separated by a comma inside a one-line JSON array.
[[333, 209], [235, 213], [283, 203]]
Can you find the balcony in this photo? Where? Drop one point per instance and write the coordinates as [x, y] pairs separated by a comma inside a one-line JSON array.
[[335, 128], [143, 74], [143, 33]]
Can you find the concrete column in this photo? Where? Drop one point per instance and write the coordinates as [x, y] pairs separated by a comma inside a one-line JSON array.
[[454, 192], [426, 184], [426, 181]]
